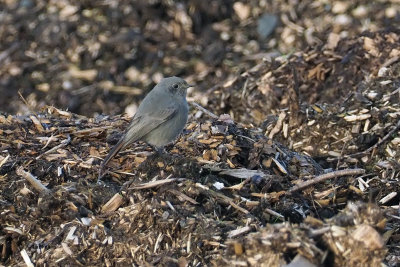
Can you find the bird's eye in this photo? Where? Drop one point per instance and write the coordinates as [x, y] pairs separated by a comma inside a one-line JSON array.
[[176, 86]]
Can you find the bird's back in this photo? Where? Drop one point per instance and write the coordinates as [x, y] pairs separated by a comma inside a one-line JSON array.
[[158, 101]]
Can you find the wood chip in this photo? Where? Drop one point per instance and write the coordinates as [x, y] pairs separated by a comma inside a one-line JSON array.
[[367, 235], [113, 204], [37, 124], [26, 258]]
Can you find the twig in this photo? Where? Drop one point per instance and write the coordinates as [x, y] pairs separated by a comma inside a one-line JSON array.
[[209, 113], [155, 183], [244, 88], [91, 130], [4, 160], [390, 61], [183, 196], [274, 213], [320, 231], [63, 143], [245, 137], [49, 140], [278, 125], [158, 241], [233, 204], [223, 198], [239, 231], [323, 177], [395, 91], [32, 180], [377, 144], [26, 258]]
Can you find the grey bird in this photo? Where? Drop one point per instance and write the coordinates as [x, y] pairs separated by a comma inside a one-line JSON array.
[[160, 118]]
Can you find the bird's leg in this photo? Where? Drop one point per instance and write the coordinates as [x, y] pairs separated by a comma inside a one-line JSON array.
[[159, 151]]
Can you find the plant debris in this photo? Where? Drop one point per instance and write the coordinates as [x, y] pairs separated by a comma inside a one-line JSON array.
[[285, 160]]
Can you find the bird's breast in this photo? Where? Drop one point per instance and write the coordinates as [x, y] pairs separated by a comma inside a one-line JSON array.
[[170, 129]]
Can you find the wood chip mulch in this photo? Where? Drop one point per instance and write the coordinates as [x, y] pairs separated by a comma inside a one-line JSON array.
[[226, 193]]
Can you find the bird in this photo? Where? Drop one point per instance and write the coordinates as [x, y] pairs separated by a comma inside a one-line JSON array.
[[159, 119]]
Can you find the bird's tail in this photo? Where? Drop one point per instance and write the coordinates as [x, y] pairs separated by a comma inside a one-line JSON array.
[[114, 151]]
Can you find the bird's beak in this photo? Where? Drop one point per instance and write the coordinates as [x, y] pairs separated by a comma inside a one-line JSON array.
[[190, 85]]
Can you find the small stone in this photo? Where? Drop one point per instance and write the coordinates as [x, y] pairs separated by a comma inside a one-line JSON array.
[[241, 10], [360, 12], [391, 12], [266, 25], [44, 87], [343, 20], [340, 7]]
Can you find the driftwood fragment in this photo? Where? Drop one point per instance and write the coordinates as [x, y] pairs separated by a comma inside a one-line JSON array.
[[32, 180], [242, 173], [326, 176]]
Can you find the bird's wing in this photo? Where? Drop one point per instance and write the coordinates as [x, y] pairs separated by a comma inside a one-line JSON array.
[[145, 123], [140, 126]]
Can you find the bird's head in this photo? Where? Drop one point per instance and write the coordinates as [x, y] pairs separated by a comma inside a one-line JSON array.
[[174, 85]]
